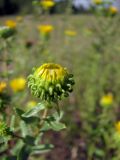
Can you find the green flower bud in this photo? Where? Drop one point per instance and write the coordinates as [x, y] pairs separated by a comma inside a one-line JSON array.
[[6, 32], [4, 130], [50, 82]]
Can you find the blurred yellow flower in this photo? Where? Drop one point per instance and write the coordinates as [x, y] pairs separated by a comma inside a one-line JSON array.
[[117, 126], [47, 4], [97, 2], [107, 100], [113, 10], [10, 23], [70, 33], [31, 104], [18, 84], [45, 29], [3, 85]]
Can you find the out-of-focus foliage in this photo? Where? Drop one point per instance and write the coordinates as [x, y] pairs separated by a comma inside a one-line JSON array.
[[88, 45]]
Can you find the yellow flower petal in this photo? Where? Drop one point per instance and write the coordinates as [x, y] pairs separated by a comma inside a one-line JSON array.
[[18, 84], [107, 100], [3, 85], [45, 28], [46, 4], [11, 24], [70, 33]]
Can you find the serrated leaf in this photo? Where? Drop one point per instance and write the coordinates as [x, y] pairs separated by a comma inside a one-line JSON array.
[[34, 110]]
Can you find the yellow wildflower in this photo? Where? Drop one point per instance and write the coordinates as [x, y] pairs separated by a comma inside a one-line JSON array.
[[70, 33], [18, 84], [31, 104], [10, 23], [47, 4], [113, 10], [45, 29], [50, 82], [2, 86], [97, 2], [117, 126], [107, 100]]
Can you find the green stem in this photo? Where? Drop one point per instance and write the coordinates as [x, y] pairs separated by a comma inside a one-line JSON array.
[[43, 117]]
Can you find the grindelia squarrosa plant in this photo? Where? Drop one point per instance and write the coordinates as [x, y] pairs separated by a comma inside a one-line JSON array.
[[50, 83]]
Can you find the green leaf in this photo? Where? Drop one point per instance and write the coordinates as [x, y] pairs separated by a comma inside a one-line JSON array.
[[46, 127], [39, 138], [24, 153], [28, 120], [11, 158], [2, 140], [12, 123], [19, 112], [34, 110], [52, 122], [42, 148], [59, 116], [99, 152], [56, 126], [17, 147], [24, 129], [29, 140]]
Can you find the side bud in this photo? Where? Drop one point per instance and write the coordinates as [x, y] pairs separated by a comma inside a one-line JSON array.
[[4, 130]]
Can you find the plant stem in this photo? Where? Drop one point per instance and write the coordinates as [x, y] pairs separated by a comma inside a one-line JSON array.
[[43, 116]]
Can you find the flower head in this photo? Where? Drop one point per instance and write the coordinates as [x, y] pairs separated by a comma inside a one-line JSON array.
[[50, 82], [31, 104], [4, 130], [97, 2], [107, 100], [18, 84], [45, 29], [113, 10], [10, 23], [70, 33], [3, 85], [47, 4]]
